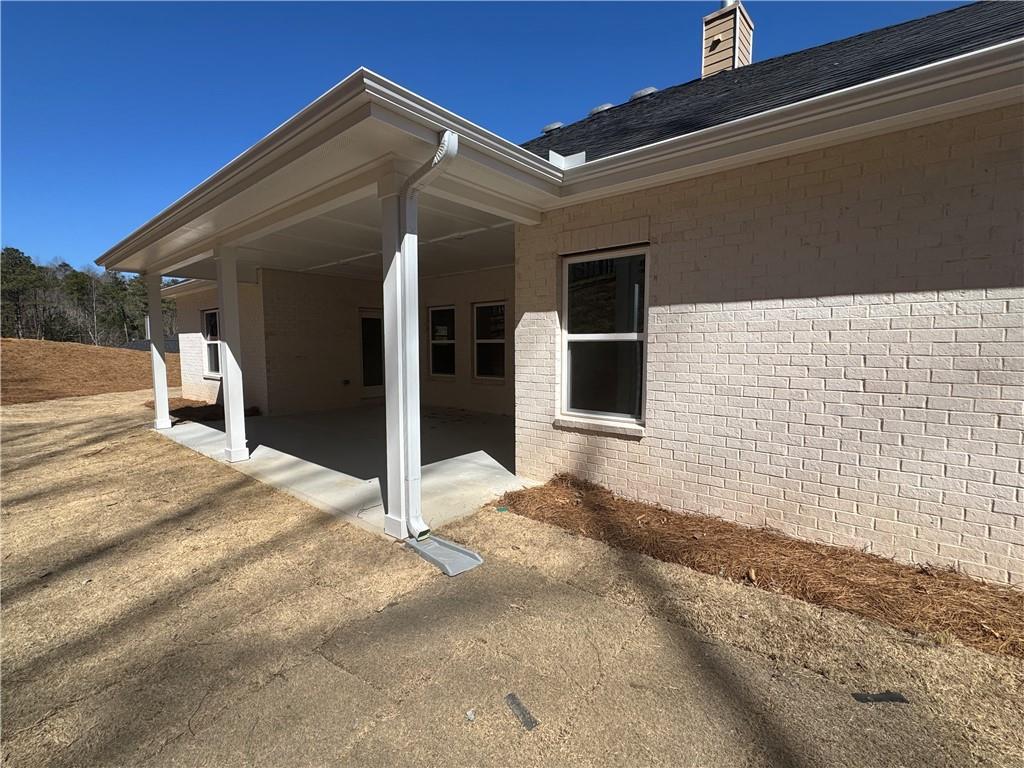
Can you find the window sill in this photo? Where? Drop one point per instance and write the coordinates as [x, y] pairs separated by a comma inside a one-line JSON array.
[[212, 376], [614, 428]]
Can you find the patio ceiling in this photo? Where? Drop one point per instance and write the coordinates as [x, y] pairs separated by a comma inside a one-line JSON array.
[[346, 241]]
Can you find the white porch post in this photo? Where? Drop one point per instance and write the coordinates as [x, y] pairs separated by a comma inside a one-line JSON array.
[[401, 364], [155, 331], [400, 369], [231, 355]]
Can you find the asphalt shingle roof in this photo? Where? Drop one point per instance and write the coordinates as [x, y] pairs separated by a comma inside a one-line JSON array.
[[784, 80]]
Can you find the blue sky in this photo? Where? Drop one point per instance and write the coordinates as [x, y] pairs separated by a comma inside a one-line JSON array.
[[111, 111]]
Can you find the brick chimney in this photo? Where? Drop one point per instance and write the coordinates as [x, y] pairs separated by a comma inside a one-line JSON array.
[[728, 39]]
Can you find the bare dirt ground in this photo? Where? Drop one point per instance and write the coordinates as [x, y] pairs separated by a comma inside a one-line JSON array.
[[160, 608], [33, 370]]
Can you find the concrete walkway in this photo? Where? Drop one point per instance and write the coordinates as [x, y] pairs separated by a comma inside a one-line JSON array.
[[334, 460], [162, 609]]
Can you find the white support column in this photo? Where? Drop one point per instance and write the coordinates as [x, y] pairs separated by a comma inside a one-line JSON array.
[[401, 365], [155, 332], [411, 361], [400, 248], [231, 355]]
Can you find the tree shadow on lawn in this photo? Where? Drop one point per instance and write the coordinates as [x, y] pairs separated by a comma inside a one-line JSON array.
[[57, 566], [30, 460]]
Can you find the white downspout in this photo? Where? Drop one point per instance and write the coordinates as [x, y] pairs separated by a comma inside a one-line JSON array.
[[447, 149]]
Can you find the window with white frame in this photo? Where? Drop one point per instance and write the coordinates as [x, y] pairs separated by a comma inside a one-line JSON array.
[[442, 341], [211, 342], [605, 311], [489, 340]]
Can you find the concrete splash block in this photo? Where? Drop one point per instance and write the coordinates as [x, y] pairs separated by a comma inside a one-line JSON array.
[[446, 555]]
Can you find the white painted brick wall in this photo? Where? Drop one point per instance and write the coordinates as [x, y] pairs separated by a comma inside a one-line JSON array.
[[313, 339], [836, 345], [194, 384], [464, 390]]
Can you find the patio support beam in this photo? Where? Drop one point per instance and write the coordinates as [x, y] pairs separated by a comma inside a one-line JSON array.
[[400, 249], [230, 355], [155, 331]]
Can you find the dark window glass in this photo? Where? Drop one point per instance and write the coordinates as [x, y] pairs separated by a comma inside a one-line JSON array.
[[213, 357], [490, 360], [490, 321], [606, 376], [210, 329], [442, 359], [442, 325], [607, 296], [373, 351]]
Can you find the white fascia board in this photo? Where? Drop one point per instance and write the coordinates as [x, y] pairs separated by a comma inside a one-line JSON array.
[[960, 85]]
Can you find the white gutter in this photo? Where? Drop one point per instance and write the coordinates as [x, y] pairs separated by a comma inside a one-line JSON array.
[[447, 149]]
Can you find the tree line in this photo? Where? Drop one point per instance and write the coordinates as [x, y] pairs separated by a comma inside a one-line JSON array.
[[61, 303]]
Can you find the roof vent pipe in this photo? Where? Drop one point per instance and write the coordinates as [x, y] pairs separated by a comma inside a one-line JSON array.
[[601, 108], [643, 92]]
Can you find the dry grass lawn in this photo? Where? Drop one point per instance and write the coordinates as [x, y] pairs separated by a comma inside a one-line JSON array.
[[160, 609], [33, 370]]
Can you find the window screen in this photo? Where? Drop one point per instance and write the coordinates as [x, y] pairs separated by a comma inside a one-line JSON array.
[[605, 334]]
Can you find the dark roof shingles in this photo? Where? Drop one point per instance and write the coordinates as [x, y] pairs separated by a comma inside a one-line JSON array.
[[784, 80]]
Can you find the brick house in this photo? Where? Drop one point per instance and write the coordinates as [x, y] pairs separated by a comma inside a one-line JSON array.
[[789, 293]]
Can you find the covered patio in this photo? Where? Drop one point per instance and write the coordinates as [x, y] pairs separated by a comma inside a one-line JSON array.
[[377, 186]]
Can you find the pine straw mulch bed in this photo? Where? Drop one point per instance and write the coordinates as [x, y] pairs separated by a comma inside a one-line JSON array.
[[917, 599]]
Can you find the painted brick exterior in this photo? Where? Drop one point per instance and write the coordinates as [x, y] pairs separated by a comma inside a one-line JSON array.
[[464, 391], [313, 339], [194, 384], [835, 345]]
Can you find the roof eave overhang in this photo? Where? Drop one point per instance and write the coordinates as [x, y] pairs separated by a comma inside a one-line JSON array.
[[978, 80], [971, 82], [362, 95]]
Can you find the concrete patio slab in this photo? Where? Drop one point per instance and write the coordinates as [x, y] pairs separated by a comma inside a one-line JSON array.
[[334, 460]]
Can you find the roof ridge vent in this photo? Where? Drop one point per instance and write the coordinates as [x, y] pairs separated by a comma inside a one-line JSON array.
[[643, 92], [551, 127], [601, 108]]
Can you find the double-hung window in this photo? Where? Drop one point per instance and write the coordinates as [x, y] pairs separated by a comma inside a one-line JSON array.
[[211, 342], [442, 341], [605, 313], [489, 340]]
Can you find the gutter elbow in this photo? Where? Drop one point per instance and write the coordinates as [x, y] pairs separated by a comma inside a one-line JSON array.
[[447, 150]]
